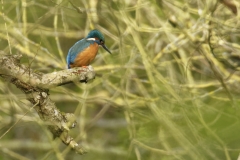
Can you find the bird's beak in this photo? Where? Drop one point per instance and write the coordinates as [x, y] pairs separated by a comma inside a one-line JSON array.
[[106, 48]]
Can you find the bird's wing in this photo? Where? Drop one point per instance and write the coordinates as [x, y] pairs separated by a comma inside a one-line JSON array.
[[77, 48]]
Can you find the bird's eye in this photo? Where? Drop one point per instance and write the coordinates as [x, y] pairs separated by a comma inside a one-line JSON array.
[[101, 41]]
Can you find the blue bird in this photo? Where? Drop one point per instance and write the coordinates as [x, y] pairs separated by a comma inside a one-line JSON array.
[[85, 50]]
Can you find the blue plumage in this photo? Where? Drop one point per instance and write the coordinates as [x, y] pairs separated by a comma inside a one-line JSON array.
[[77, 48]]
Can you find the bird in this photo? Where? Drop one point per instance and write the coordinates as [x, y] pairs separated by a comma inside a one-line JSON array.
[[83, 52]]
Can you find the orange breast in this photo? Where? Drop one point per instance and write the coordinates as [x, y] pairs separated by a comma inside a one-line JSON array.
[[85, 57]]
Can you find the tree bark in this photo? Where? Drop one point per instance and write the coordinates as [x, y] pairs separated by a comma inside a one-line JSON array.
[[36, 87]]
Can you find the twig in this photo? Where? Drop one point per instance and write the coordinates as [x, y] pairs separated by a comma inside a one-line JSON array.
[[230, 4], [213, 68]]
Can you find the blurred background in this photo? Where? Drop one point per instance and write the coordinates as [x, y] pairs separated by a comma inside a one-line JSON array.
[[170, 90]]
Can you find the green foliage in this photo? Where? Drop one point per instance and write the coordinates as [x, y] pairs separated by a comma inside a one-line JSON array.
[[168, 91]]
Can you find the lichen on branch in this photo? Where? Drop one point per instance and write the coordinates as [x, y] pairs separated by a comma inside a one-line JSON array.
[[36, 87]]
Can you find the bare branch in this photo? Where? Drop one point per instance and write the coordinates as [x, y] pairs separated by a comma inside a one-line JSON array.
[[36, 86], [10, 67], [230, 4]]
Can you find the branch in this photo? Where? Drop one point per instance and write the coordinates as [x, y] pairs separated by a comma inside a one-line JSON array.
[[10, 65], [230, 4], [36, 85]]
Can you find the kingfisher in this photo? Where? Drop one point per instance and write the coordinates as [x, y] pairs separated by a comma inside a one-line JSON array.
[[83, 52]]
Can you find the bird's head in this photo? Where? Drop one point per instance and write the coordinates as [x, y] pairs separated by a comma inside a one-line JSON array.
[[98, 37]]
